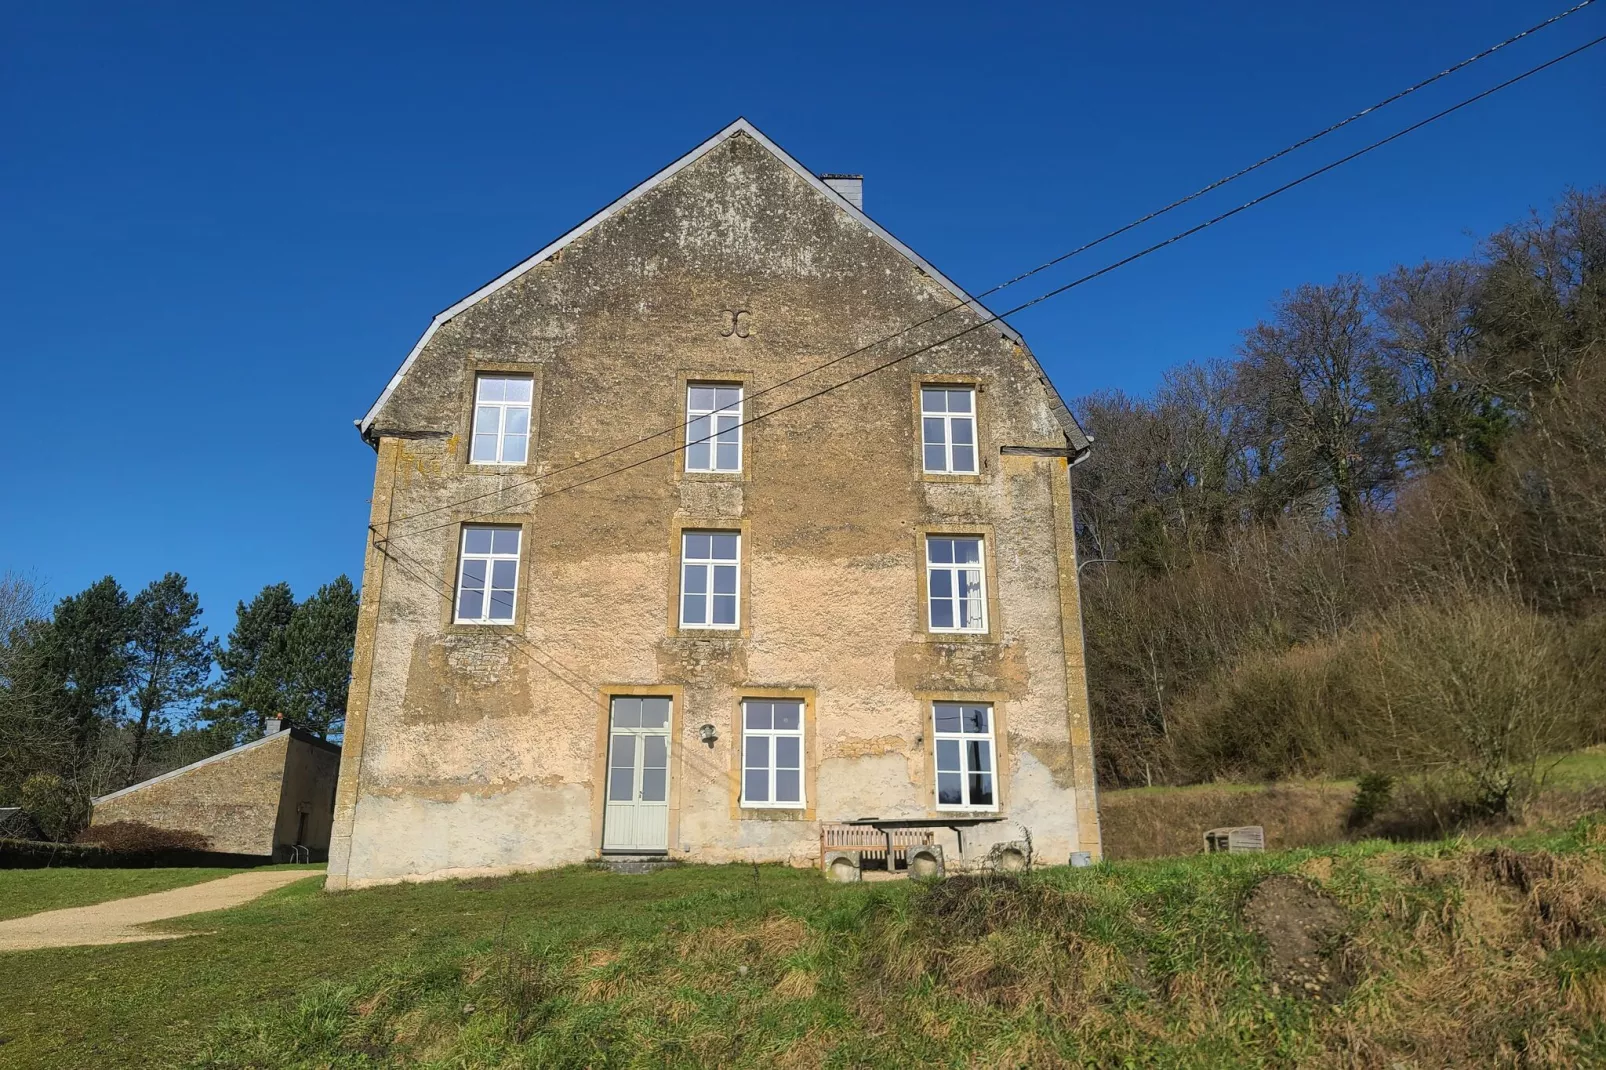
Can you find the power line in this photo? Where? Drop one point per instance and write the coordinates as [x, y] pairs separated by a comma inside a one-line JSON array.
[[1060, 259], [420, 572], [1057, 291]]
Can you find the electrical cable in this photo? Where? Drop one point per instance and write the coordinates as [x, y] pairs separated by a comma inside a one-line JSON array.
[[1054, 262], [1050, 294]]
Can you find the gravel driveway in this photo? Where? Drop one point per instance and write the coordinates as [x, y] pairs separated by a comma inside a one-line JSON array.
[[120, 921]]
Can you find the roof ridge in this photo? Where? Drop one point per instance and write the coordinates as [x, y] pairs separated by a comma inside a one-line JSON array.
[[741, 126]]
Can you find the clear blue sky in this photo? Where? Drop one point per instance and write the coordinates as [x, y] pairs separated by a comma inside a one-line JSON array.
[[220, 233]]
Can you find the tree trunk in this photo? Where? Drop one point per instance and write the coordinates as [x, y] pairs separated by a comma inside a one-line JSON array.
[[150, 700], [139, 740]]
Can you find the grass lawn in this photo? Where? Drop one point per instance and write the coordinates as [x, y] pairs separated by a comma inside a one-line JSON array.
[[1164, 821], [1454, 953], [28, 891], [1579, 770]]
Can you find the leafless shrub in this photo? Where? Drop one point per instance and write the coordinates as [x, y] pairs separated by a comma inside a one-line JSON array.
[[1475, 690]]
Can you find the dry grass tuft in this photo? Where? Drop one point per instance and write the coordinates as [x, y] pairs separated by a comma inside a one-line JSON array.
[[774, 936], [1158, 823], [797, 984], [1518, 869]]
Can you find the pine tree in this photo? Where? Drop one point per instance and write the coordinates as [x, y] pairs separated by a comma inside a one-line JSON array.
[[170, 655], [84, 660], [252, 688], [317, 651]]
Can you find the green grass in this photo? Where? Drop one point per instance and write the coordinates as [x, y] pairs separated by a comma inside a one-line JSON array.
[[1578, 771], [1227, 786], [28, 891], [1141, 963]]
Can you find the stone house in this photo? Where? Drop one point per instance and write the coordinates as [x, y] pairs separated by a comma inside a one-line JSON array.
[[262, 798], [635, 585]]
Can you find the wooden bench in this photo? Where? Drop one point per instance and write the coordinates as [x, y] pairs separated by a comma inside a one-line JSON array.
[[871, 843]]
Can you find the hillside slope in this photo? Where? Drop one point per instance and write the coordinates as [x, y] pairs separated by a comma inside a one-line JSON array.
[[1450, 954]]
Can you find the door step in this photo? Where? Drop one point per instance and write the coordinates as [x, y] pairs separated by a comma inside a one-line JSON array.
[[627, 863]]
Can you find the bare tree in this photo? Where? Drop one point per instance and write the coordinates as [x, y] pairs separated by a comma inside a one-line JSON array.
[[1313, 383], [1428, 342]]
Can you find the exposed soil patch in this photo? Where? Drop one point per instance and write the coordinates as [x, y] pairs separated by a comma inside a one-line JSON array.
[[1304, 930]]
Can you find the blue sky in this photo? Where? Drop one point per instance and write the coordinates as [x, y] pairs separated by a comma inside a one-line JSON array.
[[220, 232]]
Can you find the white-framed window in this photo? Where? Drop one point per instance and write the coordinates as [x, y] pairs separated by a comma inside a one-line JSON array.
[[962, 733], [501, 419], [948, 429], [488, 574], [772, 752], [710, 577], [713, 427], [956, 586]]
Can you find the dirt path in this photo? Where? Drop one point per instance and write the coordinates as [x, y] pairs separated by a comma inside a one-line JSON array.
[[119, 921]]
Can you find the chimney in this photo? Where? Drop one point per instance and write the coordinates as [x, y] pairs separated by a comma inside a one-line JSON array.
[[850, 186], [272, 726]]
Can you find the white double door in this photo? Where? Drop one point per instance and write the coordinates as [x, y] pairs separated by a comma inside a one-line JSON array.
[[636, 816]]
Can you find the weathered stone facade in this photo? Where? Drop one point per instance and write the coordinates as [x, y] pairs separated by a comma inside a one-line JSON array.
[[246, 801], [475, 748]]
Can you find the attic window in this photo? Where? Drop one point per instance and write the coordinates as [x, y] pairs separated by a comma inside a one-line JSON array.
[[714, 427], [501, 419], [948, 429]]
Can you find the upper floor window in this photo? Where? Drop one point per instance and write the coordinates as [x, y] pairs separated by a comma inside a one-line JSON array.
[[713, 427], [487, 574], [710, 571], [772, 752], [948, 429], [501, 419], [963, 738], [955, 585]]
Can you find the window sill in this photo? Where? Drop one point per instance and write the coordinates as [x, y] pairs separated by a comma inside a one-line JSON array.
[[954, 477], [766, 812], [494, 468], [470, 628], [729, 636], [962, 638], [715, 477]]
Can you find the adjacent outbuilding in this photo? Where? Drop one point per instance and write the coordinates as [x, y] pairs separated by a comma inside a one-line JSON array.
[[271, 798]]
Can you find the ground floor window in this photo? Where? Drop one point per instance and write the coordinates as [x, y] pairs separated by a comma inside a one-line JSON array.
[[772, 752], [963, 737]]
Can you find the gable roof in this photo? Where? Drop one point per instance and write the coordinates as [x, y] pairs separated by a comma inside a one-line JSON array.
[[289, 733], [741, 126]]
